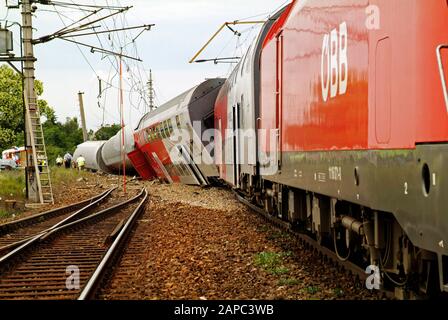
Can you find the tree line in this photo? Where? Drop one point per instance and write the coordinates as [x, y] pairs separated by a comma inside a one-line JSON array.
[[60, 137]]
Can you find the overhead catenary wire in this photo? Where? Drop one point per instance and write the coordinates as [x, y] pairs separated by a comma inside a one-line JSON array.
[[136, 82], [87, 61], [81, 5], [135, 86]]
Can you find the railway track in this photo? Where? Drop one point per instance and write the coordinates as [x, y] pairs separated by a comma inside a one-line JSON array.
[[16, 233], [70, 260], [359, 275]]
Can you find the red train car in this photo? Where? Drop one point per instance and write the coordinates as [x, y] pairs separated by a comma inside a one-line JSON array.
[[352, 131]]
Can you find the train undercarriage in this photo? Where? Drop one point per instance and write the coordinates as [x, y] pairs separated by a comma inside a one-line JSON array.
[[374, 240]]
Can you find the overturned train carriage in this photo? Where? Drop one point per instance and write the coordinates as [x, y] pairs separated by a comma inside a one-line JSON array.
[[91, 151], [106, 156], [175, 142], [112, 154]]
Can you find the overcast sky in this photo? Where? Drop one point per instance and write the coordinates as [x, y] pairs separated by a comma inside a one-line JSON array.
[[182, 27]]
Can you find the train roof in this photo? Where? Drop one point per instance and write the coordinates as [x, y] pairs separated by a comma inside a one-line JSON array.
[[197, 92]]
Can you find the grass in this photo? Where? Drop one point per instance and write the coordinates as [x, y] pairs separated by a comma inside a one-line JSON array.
[[12, 184], [263, 228], [312, 289], [4, 214], [271, 262], [338, 292], [60, 176], [278, 235], [288, 282]]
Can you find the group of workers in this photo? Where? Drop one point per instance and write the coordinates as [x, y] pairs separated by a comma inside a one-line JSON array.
[[79, 163]]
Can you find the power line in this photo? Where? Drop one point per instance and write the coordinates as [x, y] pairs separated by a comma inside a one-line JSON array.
[[80, 5]]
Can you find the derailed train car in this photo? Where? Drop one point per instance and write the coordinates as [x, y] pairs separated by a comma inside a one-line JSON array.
[[91, 151], [112, 155], [172, 139], [173, 143], [106, 156]]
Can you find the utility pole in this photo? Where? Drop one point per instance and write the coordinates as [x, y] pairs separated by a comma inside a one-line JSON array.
[[29, 92], [151, 92], [123, 136], [37, 169], [83, 116]]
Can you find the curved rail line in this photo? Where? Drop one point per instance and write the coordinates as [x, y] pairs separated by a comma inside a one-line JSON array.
[[112, 254], [15, 233], [61, 262]]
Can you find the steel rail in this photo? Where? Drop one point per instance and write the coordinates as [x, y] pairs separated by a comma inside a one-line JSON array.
[[19, 223], [347, 265], [95, 280], [36, 219], [54, 230], [79, 212], [56, 239], [99, 214]]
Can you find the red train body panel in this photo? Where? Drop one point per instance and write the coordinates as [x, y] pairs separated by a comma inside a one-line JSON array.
[[383, 90], [140, 163], [351, 111]]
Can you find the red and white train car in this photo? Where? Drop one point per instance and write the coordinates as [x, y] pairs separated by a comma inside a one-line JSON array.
[[352, 130], [171, 142]]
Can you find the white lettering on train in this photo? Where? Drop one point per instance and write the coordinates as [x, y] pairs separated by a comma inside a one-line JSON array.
[[334, 77]]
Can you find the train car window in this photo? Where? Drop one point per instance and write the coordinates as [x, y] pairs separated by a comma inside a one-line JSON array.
[[182, 170], [209, 120], [164, 129], [170, 127], [178, 121], [159, 131], [169, 168], [153, 134], [167, 129], [150, 135], [175, 172], [186, 172], [145, 135], [178, 169]]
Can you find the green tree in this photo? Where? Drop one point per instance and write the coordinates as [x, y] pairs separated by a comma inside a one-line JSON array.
[[62, 137], [11, 107], [107, 132]]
